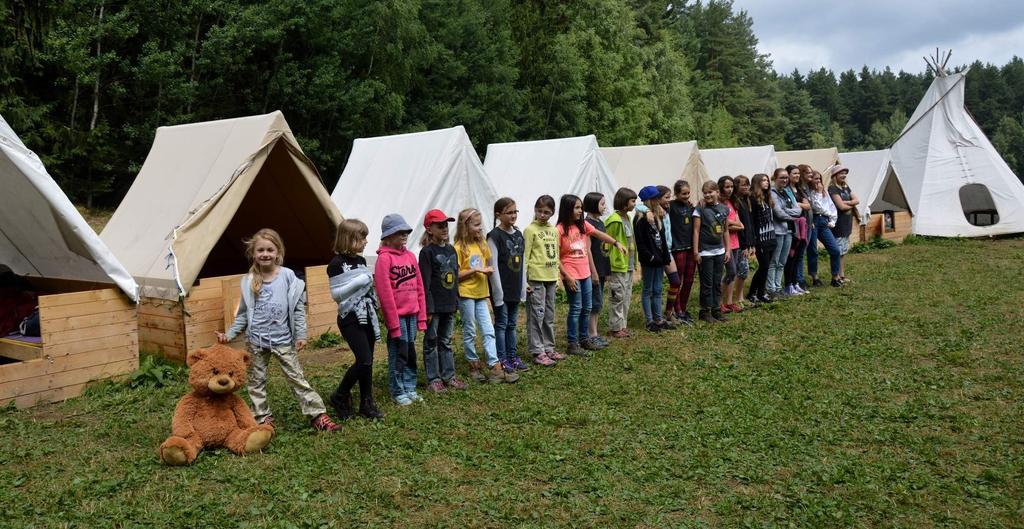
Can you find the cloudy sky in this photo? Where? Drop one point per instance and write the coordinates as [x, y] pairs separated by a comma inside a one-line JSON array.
[[848, 34]]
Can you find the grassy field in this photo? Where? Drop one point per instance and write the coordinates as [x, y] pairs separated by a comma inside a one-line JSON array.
[[896, 402]]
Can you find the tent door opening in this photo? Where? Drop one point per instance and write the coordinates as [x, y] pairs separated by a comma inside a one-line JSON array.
[[275, 201], [978, 206]]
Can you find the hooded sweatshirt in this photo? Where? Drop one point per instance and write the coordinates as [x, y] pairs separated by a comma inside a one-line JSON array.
[[399, 288]]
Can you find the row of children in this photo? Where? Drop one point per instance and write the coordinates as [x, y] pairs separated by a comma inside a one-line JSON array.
[[475, 274]]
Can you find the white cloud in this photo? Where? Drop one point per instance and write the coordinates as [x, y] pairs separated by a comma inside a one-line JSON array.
[[996, 48], [799, 55], [878, 33]]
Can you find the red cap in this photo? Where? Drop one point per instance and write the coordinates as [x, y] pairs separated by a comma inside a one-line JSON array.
[[434, 216]]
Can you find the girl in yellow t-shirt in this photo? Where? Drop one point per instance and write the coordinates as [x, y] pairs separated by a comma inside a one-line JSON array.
[[474, 296]]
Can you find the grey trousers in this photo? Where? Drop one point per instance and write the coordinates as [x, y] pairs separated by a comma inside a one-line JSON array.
[[540, 317], [620, 290], [309, 400]]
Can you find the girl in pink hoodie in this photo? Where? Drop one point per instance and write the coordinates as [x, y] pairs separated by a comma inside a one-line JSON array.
[[403, 303]]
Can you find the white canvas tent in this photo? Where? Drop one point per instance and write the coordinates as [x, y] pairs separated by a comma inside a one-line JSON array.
[[820, 160], [411, 174], [203, 188], [526, 170], [640, 165], [875, 182], [735, 161], [950, 171], [41, 233]]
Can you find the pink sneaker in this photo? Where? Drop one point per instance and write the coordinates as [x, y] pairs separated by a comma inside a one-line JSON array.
[[543, 360], [557, 357], [436, 387], [455, 383], [323, 423]]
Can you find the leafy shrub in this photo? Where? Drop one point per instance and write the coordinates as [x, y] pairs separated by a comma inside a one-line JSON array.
[[878, 243], [326, 340], [155, 372]]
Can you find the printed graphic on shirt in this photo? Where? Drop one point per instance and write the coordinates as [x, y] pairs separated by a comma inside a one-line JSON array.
[[401, 273], [515, 250], [266, 309], [476, 261], [716, 221], [447, 265], [577, 246], [549, 241]]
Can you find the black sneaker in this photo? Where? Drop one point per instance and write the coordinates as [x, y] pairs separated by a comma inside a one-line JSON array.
[[667, 325], [765, 298], [717, 315], [705, 316], [342, 406], [686, 318], [817, 283], [653, 326], [837, 283]]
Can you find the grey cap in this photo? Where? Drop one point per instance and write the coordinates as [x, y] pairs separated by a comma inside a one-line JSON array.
[[393, 223]]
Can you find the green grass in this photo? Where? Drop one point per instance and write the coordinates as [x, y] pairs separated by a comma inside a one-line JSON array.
[[896, 402]]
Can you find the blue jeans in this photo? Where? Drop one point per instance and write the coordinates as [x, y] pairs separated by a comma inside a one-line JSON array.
[[831, 245], [798, 268], [778, 264], [577, 322], [474, 313], [812, 250], [438, 358], [402, 358], [650, 296], [505, 329]]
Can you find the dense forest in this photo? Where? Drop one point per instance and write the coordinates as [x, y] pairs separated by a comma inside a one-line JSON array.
[[86, 82]]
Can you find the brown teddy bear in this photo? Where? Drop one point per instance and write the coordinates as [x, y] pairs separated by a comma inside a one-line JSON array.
[[212, 415]]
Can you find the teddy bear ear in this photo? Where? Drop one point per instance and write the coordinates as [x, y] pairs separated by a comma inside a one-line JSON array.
[[246, 358], [195, 356]]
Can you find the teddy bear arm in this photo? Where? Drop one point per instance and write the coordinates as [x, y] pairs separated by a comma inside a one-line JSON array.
[[182, 424]]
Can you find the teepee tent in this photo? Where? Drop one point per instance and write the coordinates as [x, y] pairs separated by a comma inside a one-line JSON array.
[[640, 165], [528, 169], [820, 160], [41, 232], [206, 186], [956, 182], [735, 161], [411, 174]]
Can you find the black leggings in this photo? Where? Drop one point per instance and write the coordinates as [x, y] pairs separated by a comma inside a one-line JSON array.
[[759, 282], [360, 339]]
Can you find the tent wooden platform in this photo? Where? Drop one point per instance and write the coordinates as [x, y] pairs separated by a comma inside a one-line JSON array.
[[890, 225], [172, 329], [87, 335]]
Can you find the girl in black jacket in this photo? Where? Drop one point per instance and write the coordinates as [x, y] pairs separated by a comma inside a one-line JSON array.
[[764, 236], [652, 253]]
